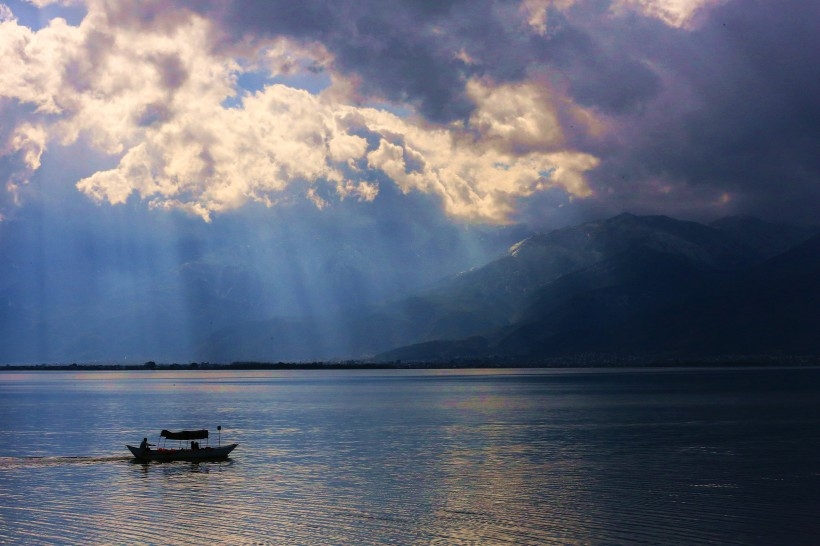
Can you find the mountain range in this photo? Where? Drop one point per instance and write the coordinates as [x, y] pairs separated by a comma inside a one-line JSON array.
[[628, 285], [636, 285]]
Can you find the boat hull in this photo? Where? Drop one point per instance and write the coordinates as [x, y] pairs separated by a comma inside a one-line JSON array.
[[194, 455]]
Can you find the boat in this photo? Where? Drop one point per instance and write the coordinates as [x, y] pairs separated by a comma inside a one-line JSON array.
[[187, 448]]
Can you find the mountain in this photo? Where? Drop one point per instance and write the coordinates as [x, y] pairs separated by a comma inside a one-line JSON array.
[[639, 285], [772, 309], [500, 290], [612, 268], [178, 290], [767, 238], [666, 288]]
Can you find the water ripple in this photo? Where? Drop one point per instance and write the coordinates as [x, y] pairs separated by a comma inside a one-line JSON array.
[[409, 460]]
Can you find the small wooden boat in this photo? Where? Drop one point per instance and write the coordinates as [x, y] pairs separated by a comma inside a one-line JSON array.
[[186, 449]]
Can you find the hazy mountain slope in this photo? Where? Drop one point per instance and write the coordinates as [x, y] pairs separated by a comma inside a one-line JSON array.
[[772, 309], [684, 299], [495, 295], [71, 294], [767, 238], [575, 312], [633, 284], [611, 268]]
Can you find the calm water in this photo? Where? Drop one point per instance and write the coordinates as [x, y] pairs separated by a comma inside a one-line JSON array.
[[416, 457]]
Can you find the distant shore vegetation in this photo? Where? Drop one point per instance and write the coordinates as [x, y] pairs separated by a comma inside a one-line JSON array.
[[573, 361]]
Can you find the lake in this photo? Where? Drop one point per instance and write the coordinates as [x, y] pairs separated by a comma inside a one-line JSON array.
[[651, 456]]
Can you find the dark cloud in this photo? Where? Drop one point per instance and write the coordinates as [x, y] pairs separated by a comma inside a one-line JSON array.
[[741, 115], [403, 51], [153, 113], [614, 85], [424, 52], [172, 71], [81, 71], [601, 57]]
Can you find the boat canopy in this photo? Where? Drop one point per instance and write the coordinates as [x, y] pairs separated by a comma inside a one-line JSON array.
[[185, 434]]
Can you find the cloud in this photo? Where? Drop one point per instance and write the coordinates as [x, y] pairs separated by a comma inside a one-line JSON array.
[[676, 13], [220, 159], [154, 94], [735, 122], [6, 13], [690, 106]]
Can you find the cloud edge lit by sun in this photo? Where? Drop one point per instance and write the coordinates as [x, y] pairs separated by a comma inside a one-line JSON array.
[[156, 99]]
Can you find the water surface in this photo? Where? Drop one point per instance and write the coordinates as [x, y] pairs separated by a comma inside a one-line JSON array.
[[416, 457]]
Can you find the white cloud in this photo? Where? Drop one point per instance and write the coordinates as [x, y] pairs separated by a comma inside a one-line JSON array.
[[676, 13], [44, 3], [479, 178], [516, 117], [30, 142], [534, 12], [154, 97], [6, 13]]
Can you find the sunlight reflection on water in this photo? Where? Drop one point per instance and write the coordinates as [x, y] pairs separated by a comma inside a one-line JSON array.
[[507, 457]]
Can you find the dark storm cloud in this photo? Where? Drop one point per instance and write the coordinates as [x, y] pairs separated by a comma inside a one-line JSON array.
[[741, 116], [424, 52], [601, 57], [403, 51], [611, 83]]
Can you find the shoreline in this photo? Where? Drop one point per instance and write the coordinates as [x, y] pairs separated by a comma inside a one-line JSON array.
[[569, 362]]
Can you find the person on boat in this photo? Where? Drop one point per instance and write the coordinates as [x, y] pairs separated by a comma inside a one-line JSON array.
[[145, 445]]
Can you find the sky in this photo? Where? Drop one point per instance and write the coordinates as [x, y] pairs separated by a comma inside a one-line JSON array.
[[407, 139], [502, 111]]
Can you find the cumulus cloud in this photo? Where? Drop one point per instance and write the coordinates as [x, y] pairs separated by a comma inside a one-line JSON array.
[[220, 159], [155, 96]]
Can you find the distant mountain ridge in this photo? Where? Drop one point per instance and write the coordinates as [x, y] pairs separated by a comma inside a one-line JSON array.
[[599, 286], [766, 238], [662, 287], [631, 285], [140, 293]]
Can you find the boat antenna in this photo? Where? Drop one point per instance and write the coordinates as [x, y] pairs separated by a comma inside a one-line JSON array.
[[219, 438]]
